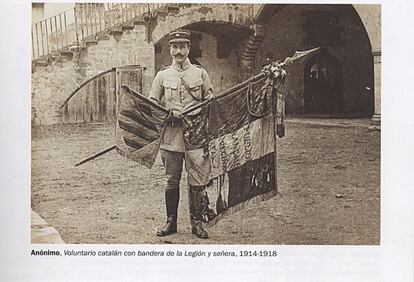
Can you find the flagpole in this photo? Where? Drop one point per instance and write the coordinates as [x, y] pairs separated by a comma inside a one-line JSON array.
[[96, 155], [273, 101], [226, 93]]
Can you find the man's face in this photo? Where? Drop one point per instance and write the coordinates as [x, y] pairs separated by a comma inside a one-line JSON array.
[[179, 51]]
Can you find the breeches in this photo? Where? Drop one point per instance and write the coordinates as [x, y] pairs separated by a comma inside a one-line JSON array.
[[198, 199], [173, 163]]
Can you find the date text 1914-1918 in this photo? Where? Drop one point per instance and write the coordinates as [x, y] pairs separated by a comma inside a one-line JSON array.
[[258, 253]]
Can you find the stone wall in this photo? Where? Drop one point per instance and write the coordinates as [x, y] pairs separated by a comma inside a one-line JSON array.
[[285, 34], [53, 82], [128, 48]]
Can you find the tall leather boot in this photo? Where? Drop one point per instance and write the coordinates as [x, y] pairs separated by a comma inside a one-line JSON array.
[[198, 204], [172, 197]]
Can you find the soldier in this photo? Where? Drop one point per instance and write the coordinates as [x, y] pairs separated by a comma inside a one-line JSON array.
[[179, 87]]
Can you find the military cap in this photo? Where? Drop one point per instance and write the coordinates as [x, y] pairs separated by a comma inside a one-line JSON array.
[[179, 36]]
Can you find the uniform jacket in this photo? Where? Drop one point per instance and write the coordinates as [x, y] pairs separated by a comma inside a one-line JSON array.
[[169, 90]]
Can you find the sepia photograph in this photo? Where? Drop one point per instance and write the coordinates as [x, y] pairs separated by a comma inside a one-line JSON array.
[[205, 123]]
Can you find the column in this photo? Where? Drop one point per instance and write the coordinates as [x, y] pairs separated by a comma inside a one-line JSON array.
[[376, 118]]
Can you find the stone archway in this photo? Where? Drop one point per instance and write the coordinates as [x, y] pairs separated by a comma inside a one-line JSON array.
[[188, 14], [228, 26], [216, 46], [338, 30], [369, 18]]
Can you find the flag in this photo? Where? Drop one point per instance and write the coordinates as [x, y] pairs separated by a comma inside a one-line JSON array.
[[230, 142], [230, 148], [139, 127]]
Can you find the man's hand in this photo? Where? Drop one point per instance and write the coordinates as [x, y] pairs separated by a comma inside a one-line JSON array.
[[176, 113]]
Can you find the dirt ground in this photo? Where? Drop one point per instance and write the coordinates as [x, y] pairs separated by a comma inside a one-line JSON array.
[[328, 183]]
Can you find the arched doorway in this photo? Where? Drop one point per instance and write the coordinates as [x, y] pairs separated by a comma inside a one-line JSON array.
[[323, 85]]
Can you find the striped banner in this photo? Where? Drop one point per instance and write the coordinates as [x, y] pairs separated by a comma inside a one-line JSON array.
[[138, 128]]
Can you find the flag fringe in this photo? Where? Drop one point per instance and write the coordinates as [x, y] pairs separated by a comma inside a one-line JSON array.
[[240, 206]]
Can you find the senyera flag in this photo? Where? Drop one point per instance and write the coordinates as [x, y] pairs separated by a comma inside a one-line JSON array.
[[230, 140]]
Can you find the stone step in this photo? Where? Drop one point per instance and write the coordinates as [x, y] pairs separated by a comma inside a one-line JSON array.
[[104, 37], [162, 12], [42, 232], [139, 20], [74, 48], [127, 26], [115, 31], [66, 52], [173, 8], [254, 43], [40, 62], [250, 52], [91, 40], [185, 5]]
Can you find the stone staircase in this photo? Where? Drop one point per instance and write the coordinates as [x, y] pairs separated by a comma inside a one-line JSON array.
[[74, 49], [249, 53], [58, 74]]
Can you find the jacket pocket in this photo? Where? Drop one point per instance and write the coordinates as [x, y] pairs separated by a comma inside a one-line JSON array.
[[195, 86], [169, 87]]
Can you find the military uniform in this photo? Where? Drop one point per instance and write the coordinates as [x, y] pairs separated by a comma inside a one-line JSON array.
[[169, 89], [179, 87]]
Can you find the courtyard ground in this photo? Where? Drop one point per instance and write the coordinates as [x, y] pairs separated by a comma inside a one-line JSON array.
[[328, 189]]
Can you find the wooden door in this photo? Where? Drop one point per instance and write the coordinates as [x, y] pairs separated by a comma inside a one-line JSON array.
[[97, 99], [130, 76]]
